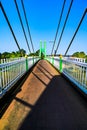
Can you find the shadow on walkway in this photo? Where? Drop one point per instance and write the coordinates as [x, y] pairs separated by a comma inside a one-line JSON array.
[[60, 107], [6, 100]]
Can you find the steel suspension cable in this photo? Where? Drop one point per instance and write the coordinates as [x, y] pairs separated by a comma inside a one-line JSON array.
[[22, 25], [76, 30], [58, 26], [7, 20], [64, 26], [27, 24]]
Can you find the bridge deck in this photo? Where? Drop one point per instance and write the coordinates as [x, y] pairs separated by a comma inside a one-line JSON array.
[[46, 102]]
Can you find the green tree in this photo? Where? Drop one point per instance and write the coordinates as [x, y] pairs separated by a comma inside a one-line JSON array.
[[0, 55], [23, 52], [76, 54], [79, 54], [20, 53], [82, 54], [5, 55], [86, 58], [37, 53], [13, 55]]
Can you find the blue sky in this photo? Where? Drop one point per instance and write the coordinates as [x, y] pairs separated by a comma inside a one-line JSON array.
[[43, 17]]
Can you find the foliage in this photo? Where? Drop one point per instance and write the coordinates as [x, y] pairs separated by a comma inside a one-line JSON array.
[[79, 54], [20, 53], [5, 55], [13, 54], [86, 58], [37, 54], [0, 57], [31, 54]]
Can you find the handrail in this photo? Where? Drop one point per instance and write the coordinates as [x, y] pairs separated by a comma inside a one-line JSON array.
[[75, 71], [12, 71]]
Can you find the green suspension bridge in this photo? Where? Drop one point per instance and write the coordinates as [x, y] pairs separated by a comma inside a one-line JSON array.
[[50, 91]]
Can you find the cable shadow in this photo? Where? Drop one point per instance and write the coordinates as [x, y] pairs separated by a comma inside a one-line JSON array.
[[23, 102], [45, 69], [44, 73], [39, 79]]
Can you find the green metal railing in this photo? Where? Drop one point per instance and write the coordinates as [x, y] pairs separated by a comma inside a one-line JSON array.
[[12, 71], [75, 71]]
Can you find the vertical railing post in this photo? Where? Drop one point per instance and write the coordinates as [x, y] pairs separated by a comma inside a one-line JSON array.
[[40, 48], [53, 60], [33, 60], [26, 63], [60, 64]]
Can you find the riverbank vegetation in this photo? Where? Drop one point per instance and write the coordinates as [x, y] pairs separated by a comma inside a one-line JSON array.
[[80, 55]]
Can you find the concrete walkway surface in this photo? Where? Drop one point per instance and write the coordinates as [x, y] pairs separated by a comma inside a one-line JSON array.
[[46, 102]]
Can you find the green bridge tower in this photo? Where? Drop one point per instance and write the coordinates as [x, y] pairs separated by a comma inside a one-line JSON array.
[[42, 50]]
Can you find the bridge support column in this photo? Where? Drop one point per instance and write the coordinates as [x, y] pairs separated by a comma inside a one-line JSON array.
[[40, 48], [60, 64], [44, 49], [26, 63], [53, 60], [42, 53]]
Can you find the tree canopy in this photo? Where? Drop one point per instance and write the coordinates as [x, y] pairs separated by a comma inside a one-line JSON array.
[[13, 54], [20, 53], [79, 54], [37, 53]]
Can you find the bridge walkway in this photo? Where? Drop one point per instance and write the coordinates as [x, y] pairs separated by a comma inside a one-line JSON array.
[[46, 102]]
